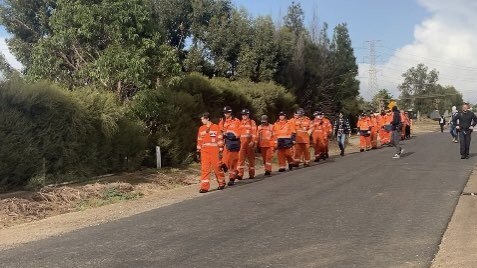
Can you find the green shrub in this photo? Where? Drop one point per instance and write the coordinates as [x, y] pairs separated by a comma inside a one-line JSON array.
[[51, 133]]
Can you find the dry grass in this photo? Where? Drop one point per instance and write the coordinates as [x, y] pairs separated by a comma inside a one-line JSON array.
[[50, 201]]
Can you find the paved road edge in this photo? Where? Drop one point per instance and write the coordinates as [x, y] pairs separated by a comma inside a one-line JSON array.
[[458, 247]]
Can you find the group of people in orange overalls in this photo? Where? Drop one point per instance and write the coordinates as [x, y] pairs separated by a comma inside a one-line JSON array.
[[372, 126], [230, 145]]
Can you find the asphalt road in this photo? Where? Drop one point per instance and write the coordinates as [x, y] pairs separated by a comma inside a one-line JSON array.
[[362, 210]]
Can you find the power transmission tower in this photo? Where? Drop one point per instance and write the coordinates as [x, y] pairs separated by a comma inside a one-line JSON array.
[[372, 71]]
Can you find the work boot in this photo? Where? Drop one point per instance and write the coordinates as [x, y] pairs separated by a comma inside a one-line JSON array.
[[467, 156], [251, 177], [342, 153], [361, 150], [268, 173], [290, 167], [221, 187], [203, 191], [231, 183], [282, 170], [317, 159], [239, 178], [306, 165]]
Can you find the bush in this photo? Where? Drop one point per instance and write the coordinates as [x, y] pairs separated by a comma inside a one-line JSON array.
[[46, 131]]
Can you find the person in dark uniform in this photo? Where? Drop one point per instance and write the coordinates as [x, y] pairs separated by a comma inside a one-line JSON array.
[[464, 122]]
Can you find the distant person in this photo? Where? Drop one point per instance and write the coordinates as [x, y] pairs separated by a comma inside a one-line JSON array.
[[396, 128], [464, 123], [453, 130], [341, 128], [442, 122]]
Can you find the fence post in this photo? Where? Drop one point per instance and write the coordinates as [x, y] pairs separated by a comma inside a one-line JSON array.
[[158, 157]]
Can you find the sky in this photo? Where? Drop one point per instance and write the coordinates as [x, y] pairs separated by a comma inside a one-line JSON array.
[[442, 34]]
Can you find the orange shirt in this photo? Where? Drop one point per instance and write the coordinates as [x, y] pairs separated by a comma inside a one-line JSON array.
[[265, 135], [302, 126], [364, 124], [231, 125], [283, 129], [321, 127], [209, 136], [248, 130]]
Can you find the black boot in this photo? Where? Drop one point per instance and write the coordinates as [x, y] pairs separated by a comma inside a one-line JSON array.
[[221, 187], [268, 173], [202, 191], [231, 183], [317, 159], [290, 166], [282, 170], [342, 153]]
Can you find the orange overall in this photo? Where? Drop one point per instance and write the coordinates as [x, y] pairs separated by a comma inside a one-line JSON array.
[[374, 131], [283, 129], [266, 144], [248, 139], [385, 135], [209, 143], [302, 146], [320, 130], [230, 127], [364, 128]]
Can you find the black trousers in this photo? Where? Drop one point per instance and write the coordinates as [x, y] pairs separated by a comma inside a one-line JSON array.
[[464, 137], [442, 127]]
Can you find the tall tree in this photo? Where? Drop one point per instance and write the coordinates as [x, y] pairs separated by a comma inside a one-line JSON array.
[[381, 99], [28, 22], [257, 60], [346, 82], [113, 44], [418, 85]]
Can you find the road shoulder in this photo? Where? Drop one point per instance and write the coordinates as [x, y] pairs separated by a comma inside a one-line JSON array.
[[459, 244]]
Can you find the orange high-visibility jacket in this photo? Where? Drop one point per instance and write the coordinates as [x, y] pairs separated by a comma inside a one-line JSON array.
[[302, 126], [265, 136], [231, 125], [364, 124], [283, 129], [374, 123], [209, 136], [321, 127], [248, 130]]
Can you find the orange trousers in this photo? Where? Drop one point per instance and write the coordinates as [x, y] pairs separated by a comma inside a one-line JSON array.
[[230, 159], [246, 153], [209, 157], [320, 146], [365, 142], [385, 137], [284, 155], [267, 155], [374, 139], [302, 151]]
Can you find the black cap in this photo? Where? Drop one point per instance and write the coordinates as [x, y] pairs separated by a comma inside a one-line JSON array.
[[282, 113], [205, 115], [245, 111], [300, 111], [316, 113], [227, 109]]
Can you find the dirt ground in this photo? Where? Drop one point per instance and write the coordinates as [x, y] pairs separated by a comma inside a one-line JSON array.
[[51, 211]]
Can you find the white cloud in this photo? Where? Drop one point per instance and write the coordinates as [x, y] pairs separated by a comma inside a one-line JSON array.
[[8, 55], [447, 41]]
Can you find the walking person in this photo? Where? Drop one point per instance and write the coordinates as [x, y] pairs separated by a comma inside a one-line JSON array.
[[341, 128], [210, 145], [396, 128], [442, 122], [453, 130], [266, 144], [464, 123]]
